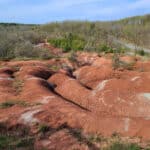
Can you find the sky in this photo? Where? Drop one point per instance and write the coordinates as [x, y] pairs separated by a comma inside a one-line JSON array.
[[44, 11]]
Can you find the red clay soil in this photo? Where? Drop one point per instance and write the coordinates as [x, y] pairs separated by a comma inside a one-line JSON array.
[[95, 99]]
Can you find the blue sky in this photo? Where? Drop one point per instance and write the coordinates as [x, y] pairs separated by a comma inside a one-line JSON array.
[[43, 11]]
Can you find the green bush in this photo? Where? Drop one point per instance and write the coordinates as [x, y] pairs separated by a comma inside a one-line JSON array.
[[69, 42], [43, 128], [141, 52], [105, 48]]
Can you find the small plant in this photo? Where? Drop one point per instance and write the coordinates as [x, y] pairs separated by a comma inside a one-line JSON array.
[[55, 68], [43, 128], [17, 85], [96, 138], [7, 104], [115, 134], [77, 134], [72, 57], [117, 63], [141, 52]]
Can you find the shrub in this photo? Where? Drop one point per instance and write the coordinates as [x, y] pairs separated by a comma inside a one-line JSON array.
[[69, 42], [105, 48], [24, 49], [141, 52], [17, 85], [43, 128], [43, 53], [9, 142], [73, 57], [120, 64]]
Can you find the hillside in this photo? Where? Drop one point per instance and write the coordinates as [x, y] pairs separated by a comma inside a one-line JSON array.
[[74, 35], [75, 85]]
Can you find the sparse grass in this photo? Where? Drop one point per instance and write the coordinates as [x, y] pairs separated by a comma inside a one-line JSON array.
[[17, 85], [72, 57], [12, 142], [43, 128], [115, 135], [17, 68], [16, 138], [123, 146], [10, 103], [96, 138], [55, 68], [7, 104], [117, 63]]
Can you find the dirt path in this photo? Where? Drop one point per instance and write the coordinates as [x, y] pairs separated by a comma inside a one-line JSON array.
[[130, 45]]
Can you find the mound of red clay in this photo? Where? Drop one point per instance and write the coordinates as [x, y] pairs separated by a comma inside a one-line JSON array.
[[70, 89], [102, 62], [92, 75], [95, 99]]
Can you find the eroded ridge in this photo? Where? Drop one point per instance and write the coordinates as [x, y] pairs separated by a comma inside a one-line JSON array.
[[92, 97]]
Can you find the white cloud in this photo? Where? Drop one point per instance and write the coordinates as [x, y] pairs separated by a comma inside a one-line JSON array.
[[140, 4]]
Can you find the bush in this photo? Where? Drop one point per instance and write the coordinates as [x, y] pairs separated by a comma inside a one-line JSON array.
[[43, 128], [26, 50], [69, 42], [105, 48], [141, 52], [43, 53], [117, 63]]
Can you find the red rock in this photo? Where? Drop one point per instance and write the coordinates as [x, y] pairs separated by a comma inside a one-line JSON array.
[[70, 89], [92, 75]]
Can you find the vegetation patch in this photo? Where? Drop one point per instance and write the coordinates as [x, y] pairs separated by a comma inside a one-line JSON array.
[[123, 146], [16, 138], [10, 103], [68, 43], [7, 104], [17, 85], [43, 128]]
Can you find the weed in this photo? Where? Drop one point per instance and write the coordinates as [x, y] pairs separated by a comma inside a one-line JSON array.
[[120, 64], [7, 104], [17, 85], [123, 146], [10, 103], [9, 142], [73, 57], [55, 68], [43, 128], [96, 138], [115, 134]]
